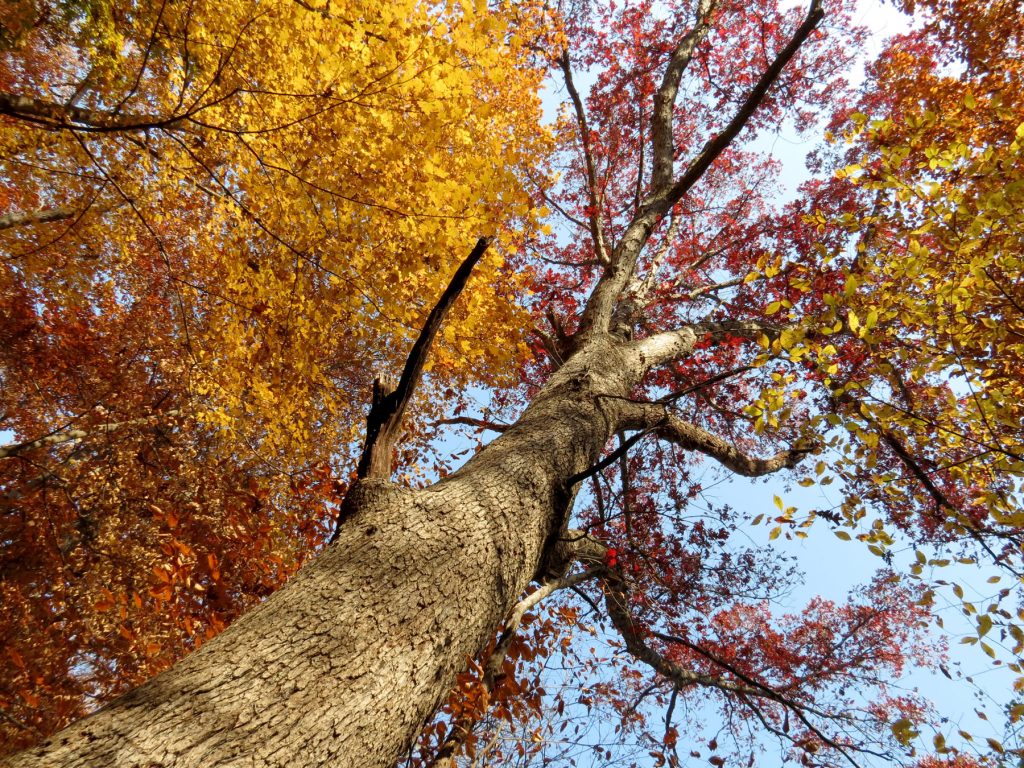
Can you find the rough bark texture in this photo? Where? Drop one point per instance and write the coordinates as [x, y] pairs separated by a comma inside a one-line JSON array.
[[344, 665]]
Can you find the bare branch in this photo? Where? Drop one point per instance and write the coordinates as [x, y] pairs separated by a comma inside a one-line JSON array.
[[611, 458], [596, 203], [703, 290], [74, 435], [469, 421]]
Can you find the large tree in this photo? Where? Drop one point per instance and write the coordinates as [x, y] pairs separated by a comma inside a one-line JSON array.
[[274, 235]]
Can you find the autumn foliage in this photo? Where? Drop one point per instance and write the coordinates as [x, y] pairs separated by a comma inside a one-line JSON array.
[[221, 222], [878, 315]]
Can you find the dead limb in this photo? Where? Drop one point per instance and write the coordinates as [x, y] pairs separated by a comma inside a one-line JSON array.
[[389, 402]]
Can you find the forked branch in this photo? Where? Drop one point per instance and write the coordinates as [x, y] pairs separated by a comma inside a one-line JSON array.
[[710, 152], [619, 272], [662, 135], [594, 196]]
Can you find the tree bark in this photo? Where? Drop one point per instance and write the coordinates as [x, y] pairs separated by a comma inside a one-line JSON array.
[[346, 663]]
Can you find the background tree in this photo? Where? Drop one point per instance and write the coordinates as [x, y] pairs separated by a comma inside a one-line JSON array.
[[933, 195], [930, 195], [687, 315], [220, 222]]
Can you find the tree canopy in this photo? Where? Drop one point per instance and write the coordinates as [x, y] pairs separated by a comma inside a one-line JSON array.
[[225, 224], [220, 222]]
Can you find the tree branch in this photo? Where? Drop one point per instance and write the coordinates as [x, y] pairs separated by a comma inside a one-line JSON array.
[[48, 215], [743, 686], [745, 329], [673, 396], [662, 134], [618, 274], [472, 422], [552, 347], [596, 205], [664, 347], [702, 290], [655, 417], [388, 408], [691, 437], [60, 116], [700, 164], [73, 435], [640, 289], [611, 458], [42, 216]]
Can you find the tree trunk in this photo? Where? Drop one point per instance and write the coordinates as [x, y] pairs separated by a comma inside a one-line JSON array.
[[347, 662]]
